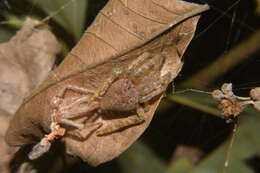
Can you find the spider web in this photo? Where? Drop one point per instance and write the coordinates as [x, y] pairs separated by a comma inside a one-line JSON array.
[[226, 25]]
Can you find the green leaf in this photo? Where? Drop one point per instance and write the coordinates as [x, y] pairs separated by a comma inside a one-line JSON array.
[[180, 166], [11, 21], [5, 34], [246, 145], [258, 7], [68, 13], [140, 159], [202, 101], [247, 138]]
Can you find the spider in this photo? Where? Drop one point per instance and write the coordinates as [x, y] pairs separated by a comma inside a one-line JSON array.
[[125, 92]]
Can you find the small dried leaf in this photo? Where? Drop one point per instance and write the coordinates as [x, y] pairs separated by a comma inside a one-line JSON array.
[[25, 61], [122, 31], [6, 151]]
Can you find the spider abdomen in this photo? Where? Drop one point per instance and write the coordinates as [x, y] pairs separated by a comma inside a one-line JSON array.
[[122, 96]]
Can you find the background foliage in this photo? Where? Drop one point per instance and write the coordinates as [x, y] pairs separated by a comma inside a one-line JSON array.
[[224, 36]]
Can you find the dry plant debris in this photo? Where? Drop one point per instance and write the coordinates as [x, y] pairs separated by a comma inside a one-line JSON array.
[[6, 152], [25, 61], [232, 105], [105, 92]]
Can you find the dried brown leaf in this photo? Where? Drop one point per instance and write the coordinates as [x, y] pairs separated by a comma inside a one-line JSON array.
[[122, 31], [25, 61], [6, 151]]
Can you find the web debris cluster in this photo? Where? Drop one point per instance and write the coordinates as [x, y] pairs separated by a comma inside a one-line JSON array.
[[232, 105]]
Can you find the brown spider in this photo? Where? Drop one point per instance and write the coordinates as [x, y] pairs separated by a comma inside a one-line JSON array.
[[124, 92]]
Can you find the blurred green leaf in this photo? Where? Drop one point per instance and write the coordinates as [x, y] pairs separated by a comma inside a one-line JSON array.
[[10, 21], [246, 145], [202, 101], [247, 139], [180, 166], [68, 13], [258, 7], [13, 21], [5, 34], [226, 61], [140, 159]]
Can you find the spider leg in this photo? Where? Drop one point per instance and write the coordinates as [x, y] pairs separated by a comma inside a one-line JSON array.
[[39, 149], [155, 62], [86, 131], [75, 102], [80, 109], [57, 100], [76, 89], [156, 88], [138, 61], [121, 124], [82, 130], [71, 123], [44, 145], [66, 121]]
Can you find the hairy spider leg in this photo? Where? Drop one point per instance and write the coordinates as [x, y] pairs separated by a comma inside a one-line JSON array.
[[86, 131], [81, 126], [76, 89], [79, 109], [63, 111], [44, 145], [57, 101], [155, 62], [256, 104], [75, 102], [156, 88], [121, 124], [39, 149], [138, 61], [67, 114]]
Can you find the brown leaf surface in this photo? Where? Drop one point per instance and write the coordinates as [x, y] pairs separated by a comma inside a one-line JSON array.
[[122, 31], [6, 151], [25, 61]]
